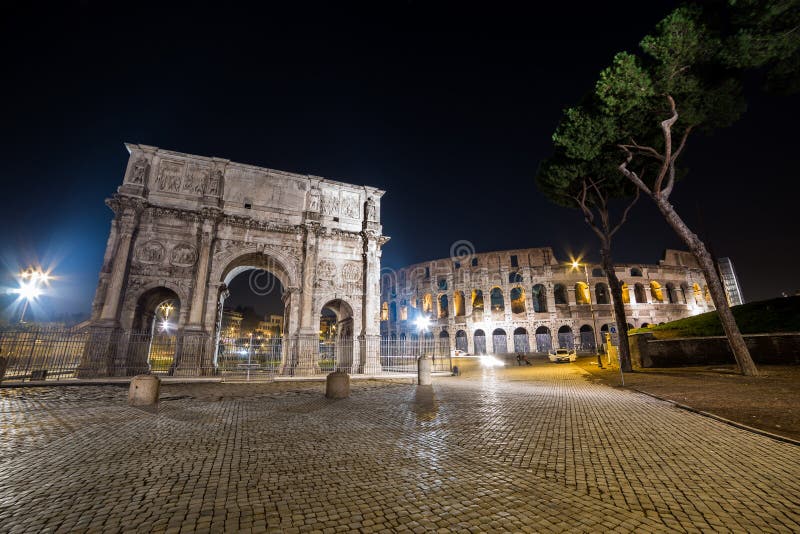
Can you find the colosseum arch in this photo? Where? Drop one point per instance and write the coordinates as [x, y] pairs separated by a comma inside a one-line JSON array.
[[192, 223]]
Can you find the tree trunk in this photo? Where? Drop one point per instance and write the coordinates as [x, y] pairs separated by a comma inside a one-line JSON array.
[[619, 308], [698, 248]]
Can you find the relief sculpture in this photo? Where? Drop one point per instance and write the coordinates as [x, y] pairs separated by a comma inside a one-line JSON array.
[[139, 171], [350, 207], [184, 255], [330, 204], [150, 252], [195, 179], [169, 177]]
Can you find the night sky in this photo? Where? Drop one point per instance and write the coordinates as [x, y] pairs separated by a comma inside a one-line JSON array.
[[449, 109]]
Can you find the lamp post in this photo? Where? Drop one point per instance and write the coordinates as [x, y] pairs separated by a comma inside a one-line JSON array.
[[30, 288], [576, 266]]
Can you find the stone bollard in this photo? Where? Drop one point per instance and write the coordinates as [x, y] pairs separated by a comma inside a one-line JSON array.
[[337, 385], [424, 371], [144, 390]]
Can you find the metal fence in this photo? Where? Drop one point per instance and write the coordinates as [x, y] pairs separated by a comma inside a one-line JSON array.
[[61, 354]]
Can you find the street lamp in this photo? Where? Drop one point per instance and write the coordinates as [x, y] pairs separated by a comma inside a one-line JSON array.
[[575, 266], [30, 287], [422, 323]]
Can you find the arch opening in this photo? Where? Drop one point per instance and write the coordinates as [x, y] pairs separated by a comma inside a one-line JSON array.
[[587, 341], [560, 294], [521, 343], [517, 300], [479, 341], [462, 343], [582, 295], [254, 312], [565, 338], [544, 341], [539, 299], [602, 294], [458, 304], [497, 302], [499, 341], [153, 345], [336, 351]]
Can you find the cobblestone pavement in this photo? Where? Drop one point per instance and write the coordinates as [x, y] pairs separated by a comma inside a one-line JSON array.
[[520, 449]]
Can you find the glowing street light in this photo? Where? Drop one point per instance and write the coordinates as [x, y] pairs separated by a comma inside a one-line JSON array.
[[30, 287], [422, 323]]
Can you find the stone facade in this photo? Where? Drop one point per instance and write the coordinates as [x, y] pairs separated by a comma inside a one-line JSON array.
[[528, 292], [184, 226]]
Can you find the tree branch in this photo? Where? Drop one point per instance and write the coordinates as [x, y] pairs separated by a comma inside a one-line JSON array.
[[624, 215], [631, 175], [666, 128], [587, 212], [645, 150]]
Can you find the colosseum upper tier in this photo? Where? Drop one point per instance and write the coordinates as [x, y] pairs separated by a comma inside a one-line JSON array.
[[528, 301]]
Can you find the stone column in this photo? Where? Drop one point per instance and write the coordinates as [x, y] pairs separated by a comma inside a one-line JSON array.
[[102, 285], [307, 357], [550, 297], [572, 298], [99, 355], [128, 221], [291, 350], [200, 290], [369, 340]]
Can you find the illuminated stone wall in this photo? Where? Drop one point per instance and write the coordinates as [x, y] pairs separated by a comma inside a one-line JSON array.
[[184, 226], [527, 281]]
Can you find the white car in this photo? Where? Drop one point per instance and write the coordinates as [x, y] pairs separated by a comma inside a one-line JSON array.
[[458, 353], [563, 355]]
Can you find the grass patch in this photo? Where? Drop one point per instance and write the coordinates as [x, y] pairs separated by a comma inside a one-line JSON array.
[[764, 317]]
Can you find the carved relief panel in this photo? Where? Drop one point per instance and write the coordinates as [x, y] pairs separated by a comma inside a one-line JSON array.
[[169, 176]]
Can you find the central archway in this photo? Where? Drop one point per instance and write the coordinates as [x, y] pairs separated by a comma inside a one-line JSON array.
[[256, 311]]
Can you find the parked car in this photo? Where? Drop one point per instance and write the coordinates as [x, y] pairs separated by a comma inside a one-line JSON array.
[[457, 353], [563, 355]]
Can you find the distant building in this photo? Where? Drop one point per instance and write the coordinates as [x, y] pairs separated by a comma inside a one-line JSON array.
[[273, 327], [327, 328], [231, 324], [730, 282], [526, 300]]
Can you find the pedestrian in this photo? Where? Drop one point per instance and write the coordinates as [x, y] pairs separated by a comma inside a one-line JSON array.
[[519, 359]]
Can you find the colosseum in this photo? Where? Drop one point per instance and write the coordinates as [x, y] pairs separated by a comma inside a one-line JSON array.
[[529, 301]]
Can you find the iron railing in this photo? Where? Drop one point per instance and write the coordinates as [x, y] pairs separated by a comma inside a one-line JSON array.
[[62, 354]]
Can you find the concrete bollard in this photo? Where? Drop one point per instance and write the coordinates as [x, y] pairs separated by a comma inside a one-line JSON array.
[[337, 385], [424, 371], [144, 390]]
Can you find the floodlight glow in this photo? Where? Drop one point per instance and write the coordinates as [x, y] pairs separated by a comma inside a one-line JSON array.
[[422, 322], [491, 361], [165, 325], [28, 290]]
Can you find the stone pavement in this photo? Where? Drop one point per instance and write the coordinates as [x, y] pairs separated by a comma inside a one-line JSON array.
[[520, 449]]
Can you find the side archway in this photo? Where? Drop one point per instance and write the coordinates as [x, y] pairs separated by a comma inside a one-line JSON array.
[[499, 341], [544, 341], [521, 343]]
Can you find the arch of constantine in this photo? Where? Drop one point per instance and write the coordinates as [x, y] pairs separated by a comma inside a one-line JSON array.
[[184, 226], [528, 301]]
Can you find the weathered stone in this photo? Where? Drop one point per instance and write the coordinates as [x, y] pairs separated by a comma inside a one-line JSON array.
[[527, 301], [337, 385], [144, 390], [424, 365], [186, 225]]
